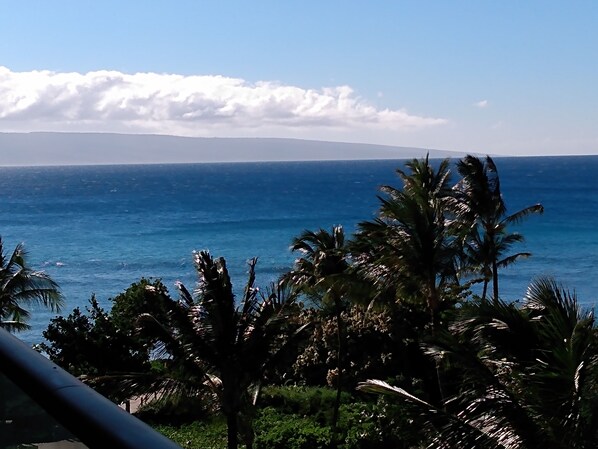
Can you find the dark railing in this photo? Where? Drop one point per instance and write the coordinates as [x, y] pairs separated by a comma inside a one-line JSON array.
[[28, 379]]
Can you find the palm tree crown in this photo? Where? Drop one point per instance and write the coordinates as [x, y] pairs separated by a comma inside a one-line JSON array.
[[323, 261], [21, 286], [218, 344], [411, 248], [485, 211]]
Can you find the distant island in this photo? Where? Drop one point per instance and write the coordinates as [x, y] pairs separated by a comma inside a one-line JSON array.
[[54, 148]]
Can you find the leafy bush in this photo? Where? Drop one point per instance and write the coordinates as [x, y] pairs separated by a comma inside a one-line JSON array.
[[375, 425], [303, 401], [176, 410], [361, 426], [380, 343], [299, 418], [275, 430], [98, 342], [204, 435], [90, 344]]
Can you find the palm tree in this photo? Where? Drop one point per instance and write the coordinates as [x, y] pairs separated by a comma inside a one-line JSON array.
[[22, 286], [322, 273], [485, 213], [211, 342], [527, 375], [411, 248]]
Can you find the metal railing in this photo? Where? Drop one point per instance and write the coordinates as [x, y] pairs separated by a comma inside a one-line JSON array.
[[32, 386]]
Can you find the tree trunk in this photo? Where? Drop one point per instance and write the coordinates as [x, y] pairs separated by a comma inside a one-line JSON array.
[[339, 377], [433, 304], [231, 430], [495, 281], [249, 442], [485, 290]]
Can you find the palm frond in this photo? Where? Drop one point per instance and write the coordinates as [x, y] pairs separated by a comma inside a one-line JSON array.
[[445, 430], [509, 260], [22, 286], [518, 216]]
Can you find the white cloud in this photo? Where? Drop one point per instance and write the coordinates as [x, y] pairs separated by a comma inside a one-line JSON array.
[[481, 104], [184, 105]]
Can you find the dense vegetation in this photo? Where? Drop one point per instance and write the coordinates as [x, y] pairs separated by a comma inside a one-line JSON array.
[[292, 365]]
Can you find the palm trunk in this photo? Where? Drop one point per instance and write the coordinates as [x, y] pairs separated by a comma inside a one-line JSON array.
[[485, 290], [249, 442], [495, 281], [339, 377], [434, 307], [433, 304], [229, 402], [231, 430]]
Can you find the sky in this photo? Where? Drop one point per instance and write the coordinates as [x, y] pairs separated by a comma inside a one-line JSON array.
[[497, 77]]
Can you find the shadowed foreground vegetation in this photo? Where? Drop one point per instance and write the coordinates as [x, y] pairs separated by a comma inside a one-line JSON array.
[[374, 340]]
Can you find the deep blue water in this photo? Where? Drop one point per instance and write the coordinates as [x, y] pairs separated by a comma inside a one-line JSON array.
[[99, 229]]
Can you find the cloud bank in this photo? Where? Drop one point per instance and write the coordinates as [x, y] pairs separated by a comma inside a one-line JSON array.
[[183, 105]]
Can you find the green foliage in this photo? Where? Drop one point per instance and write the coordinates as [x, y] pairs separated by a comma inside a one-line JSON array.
[[410, 250], [484, 213], [99, 342], [144, 296], [21, 286], [177, 410], [275, 430], [316, 402], [381, 342], [214, 342], [197, 435], [379, 425], [105, 346], [515, 375], [91, 344], [360, 426]]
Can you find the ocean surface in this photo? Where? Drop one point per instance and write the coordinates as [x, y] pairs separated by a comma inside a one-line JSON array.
[[97, 229]]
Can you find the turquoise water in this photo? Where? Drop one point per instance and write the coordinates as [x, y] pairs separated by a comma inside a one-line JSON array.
[[98, 229]]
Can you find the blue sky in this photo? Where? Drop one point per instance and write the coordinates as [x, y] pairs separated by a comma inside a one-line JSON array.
[[502, 77]]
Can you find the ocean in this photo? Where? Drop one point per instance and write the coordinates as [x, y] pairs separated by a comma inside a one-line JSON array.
[[97, 229]]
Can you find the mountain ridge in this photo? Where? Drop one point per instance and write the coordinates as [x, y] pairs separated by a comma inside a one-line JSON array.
[[57, 148]]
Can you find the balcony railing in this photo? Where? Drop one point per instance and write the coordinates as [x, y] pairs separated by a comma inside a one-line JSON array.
[[41, 403]]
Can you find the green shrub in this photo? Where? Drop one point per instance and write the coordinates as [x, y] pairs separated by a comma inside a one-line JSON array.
[[197, 435], [297, 417], [275, 430], [175, 410], [317, 402], [379, 343], [376, 425], [361, 426]]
